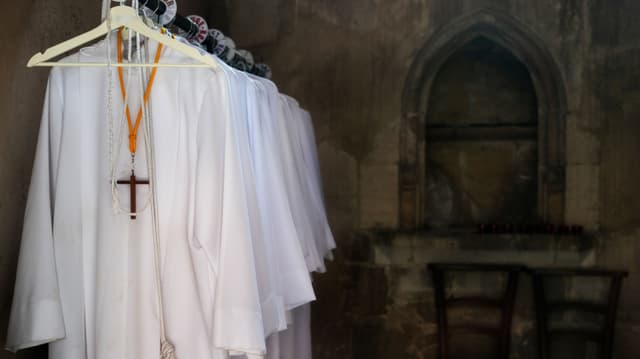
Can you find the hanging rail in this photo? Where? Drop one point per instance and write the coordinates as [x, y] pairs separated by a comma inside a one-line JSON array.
[[159, 8]]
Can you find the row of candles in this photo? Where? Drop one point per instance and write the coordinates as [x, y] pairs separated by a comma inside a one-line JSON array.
[[540, 228]]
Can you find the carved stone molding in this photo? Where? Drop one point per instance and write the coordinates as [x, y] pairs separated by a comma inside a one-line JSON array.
[[506, 31]]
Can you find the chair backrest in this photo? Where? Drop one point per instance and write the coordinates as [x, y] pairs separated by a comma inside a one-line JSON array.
[[502, 303], [547, 307]]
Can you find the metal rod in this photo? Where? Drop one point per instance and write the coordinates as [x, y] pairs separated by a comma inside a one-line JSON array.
[[159, 8]]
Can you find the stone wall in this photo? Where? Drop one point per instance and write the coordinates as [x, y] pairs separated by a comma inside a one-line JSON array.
[[348, 63]]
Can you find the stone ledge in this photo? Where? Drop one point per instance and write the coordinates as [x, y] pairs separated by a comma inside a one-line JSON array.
[[385, 247]]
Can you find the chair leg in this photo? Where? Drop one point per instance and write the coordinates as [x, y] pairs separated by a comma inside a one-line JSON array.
[[441, 311], [541, 317]]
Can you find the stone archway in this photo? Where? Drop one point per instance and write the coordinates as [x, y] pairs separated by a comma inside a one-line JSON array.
[[547, 80]]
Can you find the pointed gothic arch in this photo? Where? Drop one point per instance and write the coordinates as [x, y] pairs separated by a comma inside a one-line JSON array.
[[551, 101]]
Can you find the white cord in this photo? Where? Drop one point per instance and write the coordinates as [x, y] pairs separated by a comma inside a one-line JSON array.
[[105, 9], [167, 350], [115, 160], [115, 203]]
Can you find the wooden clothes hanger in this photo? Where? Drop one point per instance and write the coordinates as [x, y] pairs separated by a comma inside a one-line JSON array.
[[121, 16]]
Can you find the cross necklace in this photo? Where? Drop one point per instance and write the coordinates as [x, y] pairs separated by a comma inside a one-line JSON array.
[[133, 127], [133, 182]]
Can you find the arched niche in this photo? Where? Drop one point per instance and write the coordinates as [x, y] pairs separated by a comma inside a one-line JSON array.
[[551, 109]]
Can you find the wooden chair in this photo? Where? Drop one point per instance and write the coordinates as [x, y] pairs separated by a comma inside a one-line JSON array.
[[545, 307], [504, 304]]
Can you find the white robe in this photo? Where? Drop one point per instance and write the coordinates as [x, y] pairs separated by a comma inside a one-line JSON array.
[[309, 158], [297, 131], [296, 284], [85, 281], [245, 100], [294, 179], [284, 282], [299, 157], [295, 341]]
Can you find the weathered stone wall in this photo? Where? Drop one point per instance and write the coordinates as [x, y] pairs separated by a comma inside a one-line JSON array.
[[613, 100], [348, 62]]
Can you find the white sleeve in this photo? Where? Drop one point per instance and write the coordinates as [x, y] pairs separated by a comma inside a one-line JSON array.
[[36, 314], [222, 228], [326, 242]]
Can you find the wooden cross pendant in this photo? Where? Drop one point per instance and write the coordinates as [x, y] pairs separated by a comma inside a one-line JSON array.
[[132, 182]]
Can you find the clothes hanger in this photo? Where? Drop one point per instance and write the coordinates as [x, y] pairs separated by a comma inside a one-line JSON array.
[[121, 16]]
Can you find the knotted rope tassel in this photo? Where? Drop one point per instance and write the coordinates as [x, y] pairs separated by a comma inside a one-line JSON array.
[[167, 350]]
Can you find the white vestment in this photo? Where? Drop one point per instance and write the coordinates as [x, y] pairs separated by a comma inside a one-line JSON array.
[[309, 159], [295, 341], [85, 279], [245, 100], [294, 179], [295, 281]]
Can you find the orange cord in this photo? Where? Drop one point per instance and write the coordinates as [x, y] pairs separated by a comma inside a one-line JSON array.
[[133, 128]]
